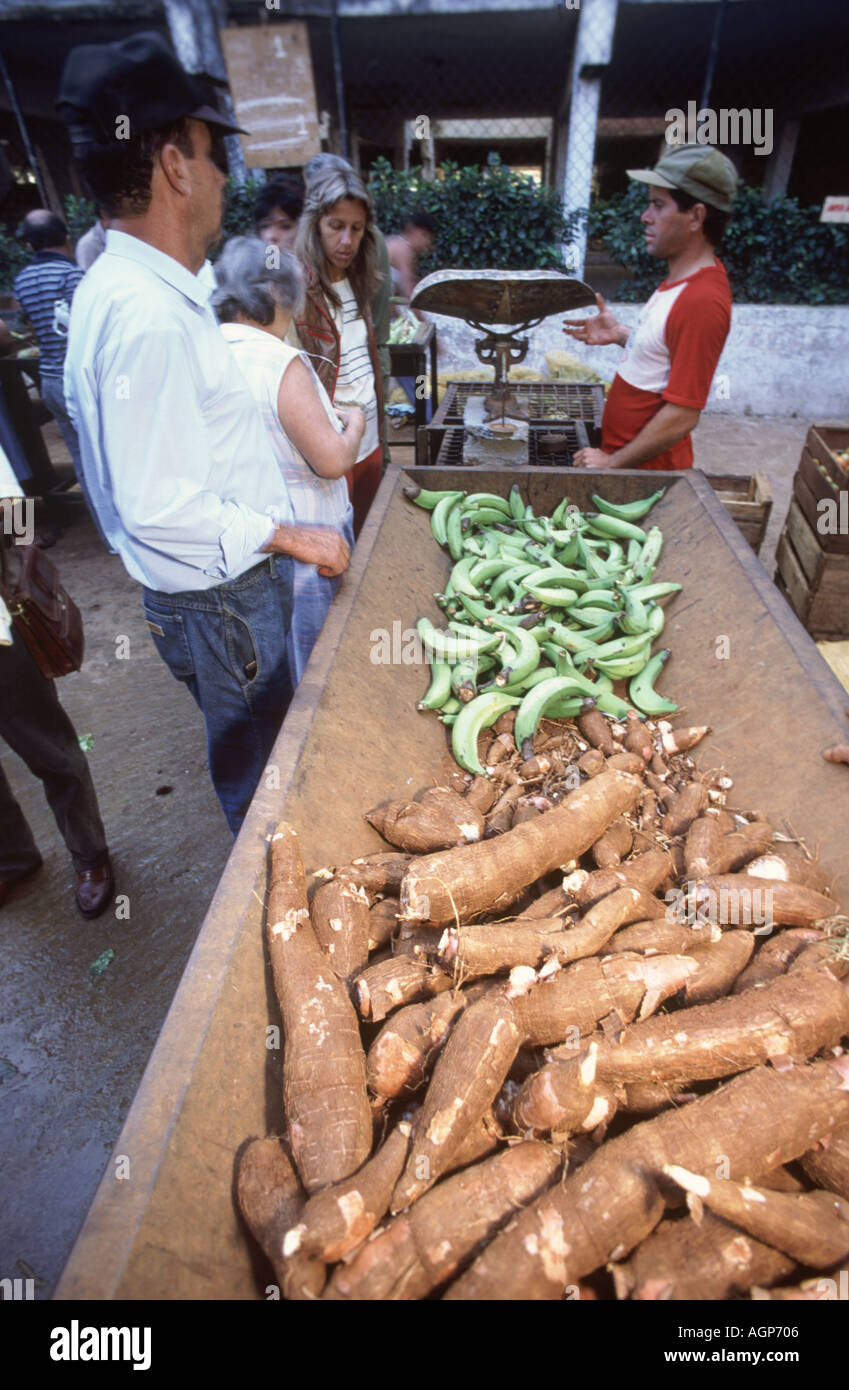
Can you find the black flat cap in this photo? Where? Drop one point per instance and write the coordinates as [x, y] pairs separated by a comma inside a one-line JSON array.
[[138, 78]]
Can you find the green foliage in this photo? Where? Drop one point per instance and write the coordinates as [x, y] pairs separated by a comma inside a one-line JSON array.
[[80, 214], [485, 217], [780, 253], [13, 255], [239, 206], [775, 252]]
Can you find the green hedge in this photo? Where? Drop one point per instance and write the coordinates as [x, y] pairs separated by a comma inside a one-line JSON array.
[[775, 252], [485, 217]]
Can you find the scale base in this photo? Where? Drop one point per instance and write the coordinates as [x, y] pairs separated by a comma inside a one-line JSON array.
[[502, 401]]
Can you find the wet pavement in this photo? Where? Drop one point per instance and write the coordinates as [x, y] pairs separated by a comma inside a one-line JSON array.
[[77, 1024]]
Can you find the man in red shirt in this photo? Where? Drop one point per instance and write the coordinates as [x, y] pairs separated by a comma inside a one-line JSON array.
[[665, 377]]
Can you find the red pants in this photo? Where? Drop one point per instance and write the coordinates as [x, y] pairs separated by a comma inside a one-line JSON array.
[[363, 482]]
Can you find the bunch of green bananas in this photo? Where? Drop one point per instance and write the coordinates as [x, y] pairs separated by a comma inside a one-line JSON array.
[[544, 613]]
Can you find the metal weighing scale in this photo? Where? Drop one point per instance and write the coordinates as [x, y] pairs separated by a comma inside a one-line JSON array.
[[502, 306]]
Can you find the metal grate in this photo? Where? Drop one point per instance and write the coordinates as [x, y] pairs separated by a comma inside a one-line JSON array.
[[545, 400], [451, 449]]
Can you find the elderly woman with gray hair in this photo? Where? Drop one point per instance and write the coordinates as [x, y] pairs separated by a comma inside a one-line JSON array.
[[260, 287]]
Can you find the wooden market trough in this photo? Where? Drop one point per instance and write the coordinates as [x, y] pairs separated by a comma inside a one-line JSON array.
[[741, 663]]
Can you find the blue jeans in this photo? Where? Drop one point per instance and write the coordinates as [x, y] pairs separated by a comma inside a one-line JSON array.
[[53, 395], [313, 596], [228, 645]]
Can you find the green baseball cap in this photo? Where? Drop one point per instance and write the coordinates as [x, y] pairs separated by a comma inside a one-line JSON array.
[[699, 170]]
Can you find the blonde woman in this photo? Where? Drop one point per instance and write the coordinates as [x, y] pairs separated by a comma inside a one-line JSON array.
[[337, 246], [259, 289]]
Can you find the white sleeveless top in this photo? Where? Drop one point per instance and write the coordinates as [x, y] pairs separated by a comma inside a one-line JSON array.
[[263, 360]]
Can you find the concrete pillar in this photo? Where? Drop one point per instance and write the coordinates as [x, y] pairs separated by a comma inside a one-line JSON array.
[[593, 48], [780, 163], [193, 26]]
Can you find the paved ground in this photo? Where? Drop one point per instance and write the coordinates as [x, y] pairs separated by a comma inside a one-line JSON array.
[[74, 1042]]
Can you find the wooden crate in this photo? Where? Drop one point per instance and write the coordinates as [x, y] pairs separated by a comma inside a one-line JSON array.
[[815, 581], [747, 500], [823, 441], [812, 486]]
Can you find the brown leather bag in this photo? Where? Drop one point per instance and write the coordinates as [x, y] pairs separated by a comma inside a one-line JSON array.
[[44, 614]]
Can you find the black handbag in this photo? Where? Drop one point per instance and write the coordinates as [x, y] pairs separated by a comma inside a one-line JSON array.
[[43, 612]]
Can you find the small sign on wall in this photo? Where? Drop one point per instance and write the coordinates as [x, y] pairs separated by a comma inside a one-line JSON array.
[[835, 208], [271, 80]]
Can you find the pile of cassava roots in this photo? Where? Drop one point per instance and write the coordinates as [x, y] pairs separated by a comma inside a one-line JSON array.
[[578, 1034]]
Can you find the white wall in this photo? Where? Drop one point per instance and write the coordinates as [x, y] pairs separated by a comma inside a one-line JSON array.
[[778, 360]]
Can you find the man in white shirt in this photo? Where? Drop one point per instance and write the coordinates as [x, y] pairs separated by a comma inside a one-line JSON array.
[[92, 243], [180, 469]]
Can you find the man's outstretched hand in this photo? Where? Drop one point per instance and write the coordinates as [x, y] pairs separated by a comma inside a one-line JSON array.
[[603, 328]]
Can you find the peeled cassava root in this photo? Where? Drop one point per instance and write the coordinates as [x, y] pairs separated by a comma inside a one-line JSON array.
[[324, 1067], [785, 1021], [466, 1079], [713, 1260], [828, 1163], [515, 981], [399, 980], [271, 1199], [426, 1245], [335, 1221], [439, 819], [812, 1228], [463, 883], [614, 1200]]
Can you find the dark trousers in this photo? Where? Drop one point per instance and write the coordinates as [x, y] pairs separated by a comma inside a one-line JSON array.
[[363, 481], [227, 644], [35, 726]]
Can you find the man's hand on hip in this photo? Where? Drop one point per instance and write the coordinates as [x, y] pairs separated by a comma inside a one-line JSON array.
[[322, 546], [603, 328]]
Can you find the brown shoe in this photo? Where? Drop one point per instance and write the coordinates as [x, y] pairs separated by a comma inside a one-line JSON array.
[[95, 889]]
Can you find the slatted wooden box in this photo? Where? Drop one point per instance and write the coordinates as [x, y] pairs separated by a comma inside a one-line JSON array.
[[813, 551], [747, 500]]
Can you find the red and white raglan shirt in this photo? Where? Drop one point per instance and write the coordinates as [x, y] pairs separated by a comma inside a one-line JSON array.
[[671, 356]]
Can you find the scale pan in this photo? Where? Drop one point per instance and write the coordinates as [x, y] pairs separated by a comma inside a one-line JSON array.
[[509, 297]]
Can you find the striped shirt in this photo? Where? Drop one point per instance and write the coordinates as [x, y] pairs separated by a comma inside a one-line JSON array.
[[263, 360], [49, 277], [355, 378]]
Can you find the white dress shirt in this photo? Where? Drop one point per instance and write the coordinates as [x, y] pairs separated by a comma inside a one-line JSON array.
[[174, 452]]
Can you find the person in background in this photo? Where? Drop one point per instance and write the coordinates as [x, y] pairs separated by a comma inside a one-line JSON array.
[[664, 381], [182, 472], [45, 289], [381, 306], [92, 242], [278, 206], [36, 727], [314, 445], [337, 246], [414, 240]]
